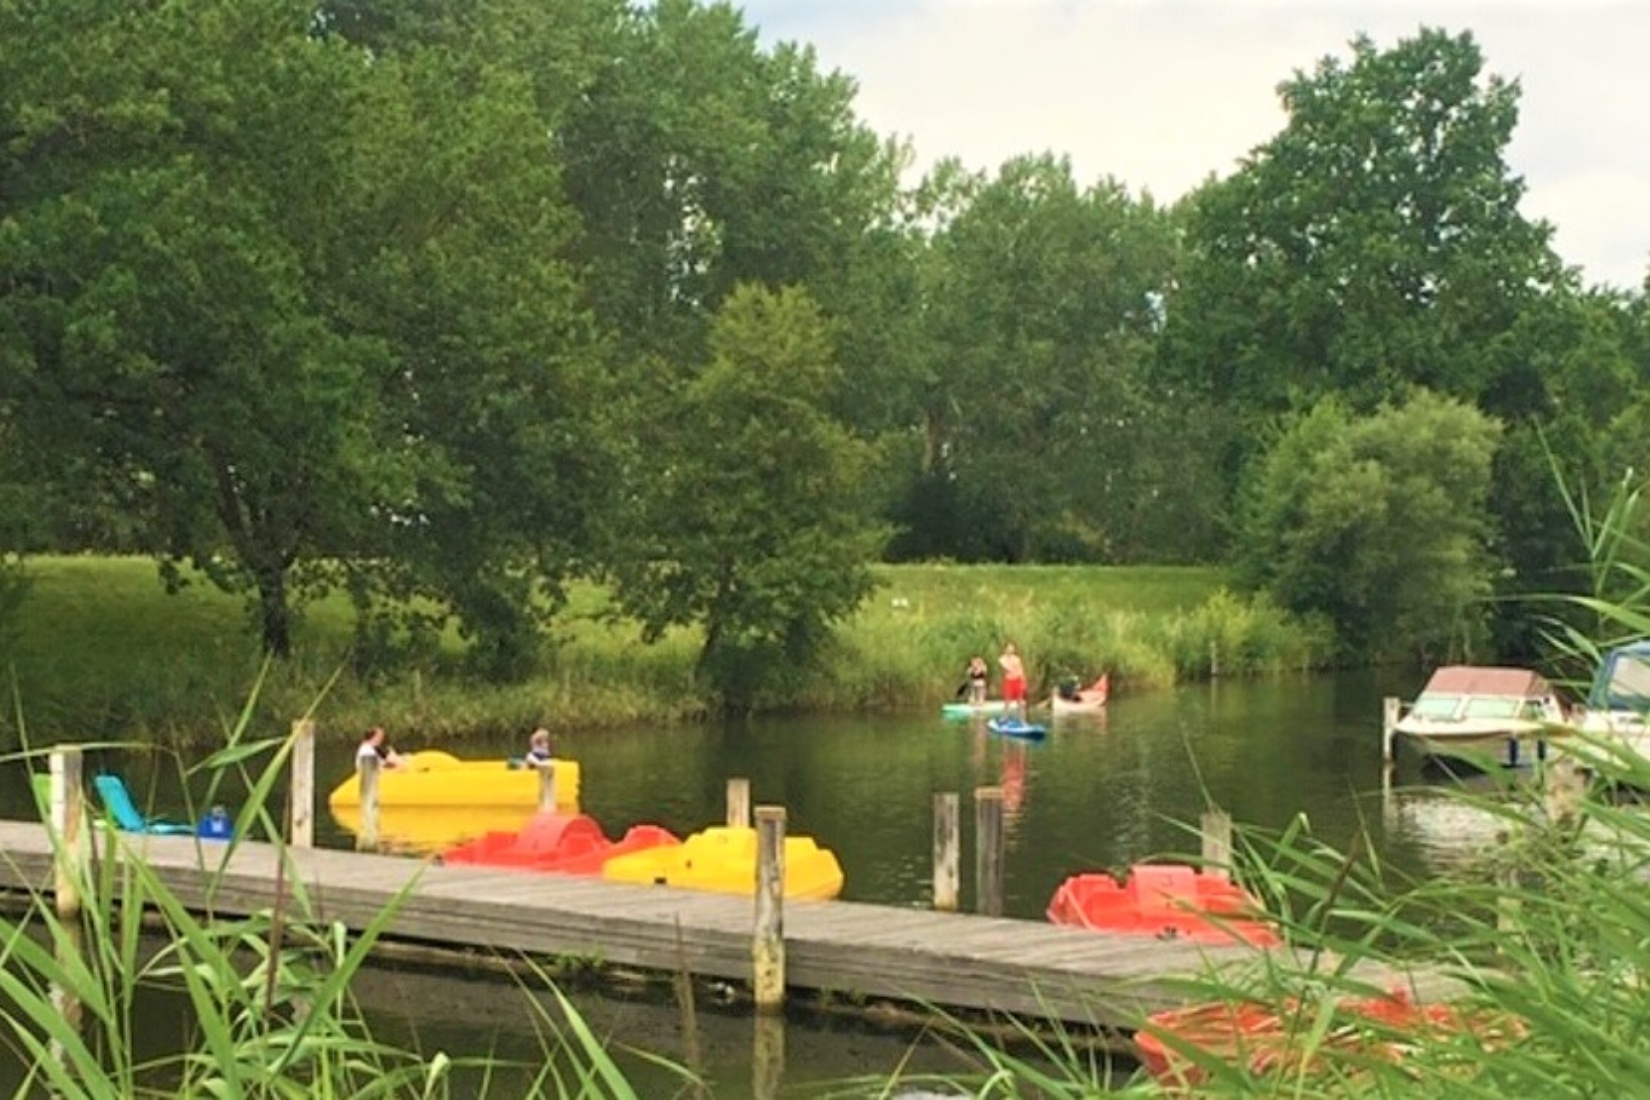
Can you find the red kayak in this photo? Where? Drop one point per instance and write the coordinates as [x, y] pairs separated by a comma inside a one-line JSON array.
[[1169, 901], [571, 844]]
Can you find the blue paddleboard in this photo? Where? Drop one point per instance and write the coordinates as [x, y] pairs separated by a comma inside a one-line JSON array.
[[1014, 727]]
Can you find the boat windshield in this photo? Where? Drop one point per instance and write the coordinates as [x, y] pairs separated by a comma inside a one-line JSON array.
[[1495, 706], [1628, 686], [1433, 705]]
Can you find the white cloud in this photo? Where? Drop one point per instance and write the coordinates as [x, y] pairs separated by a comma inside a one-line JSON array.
[[1161, 95]]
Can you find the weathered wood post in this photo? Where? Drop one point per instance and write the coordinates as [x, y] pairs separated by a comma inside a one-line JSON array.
[[547, 787], [1561, 789], [67, 814], [301, 826], [768, 1057], [367, 766], [1216, 829], [1214, 659], [768, 942], [988, 850], [67, 810], [739, 803], [947, 850], [1507, 901], [1391, 709]]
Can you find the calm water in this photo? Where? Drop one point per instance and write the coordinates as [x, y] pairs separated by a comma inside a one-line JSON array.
[[1100, 793]]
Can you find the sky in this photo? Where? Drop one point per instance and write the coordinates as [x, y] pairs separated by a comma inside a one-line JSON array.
[[1163, 94]]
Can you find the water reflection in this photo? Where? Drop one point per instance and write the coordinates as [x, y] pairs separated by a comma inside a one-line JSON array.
[[1101, 792]]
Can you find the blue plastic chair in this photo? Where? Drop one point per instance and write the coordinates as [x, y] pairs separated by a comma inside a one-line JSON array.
[[117, 800]]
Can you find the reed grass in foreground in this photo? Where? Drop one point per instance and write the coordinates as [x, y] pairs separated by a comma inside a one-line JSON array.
[[103, 651], [269, 1008]]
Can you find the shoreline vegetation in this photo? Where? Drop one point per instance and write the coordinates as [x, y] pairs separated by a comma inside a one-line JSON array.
[[98, 648]]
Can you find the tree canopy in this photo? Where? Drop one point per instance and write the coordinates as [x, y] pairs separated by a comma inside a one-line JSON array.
[[447, 306]]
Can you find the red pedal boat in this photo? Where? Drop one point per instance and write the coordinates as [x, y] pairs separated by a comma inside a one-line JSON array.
[[1272, 1039], [1169, 901], [571, 844]]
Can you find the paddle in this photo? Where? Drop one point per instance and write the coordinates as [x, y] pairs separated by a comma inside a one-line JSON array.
[[962, 689]]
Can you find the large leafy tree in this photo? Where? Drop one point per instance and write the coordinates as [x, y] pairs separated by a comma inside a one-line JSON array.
[[1041, 431], [1374, 244], [286, 301], [753, 522], [1378, 523], [698, 161]]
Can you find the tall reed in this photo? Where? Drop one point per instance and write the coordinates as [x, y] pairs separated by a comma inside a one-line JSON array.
[[102, 652], [268, 995], [1540, 946]]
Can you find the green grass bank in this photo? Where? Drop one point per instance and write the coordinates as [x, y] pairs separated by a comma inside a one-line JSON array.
[[100, 650]]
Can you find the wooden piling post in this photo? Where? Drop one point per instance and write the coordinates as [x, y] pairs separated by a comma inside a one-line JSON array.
[[768, 941], [367, 767], [739, 803], [1216, 829], [1562, 784], [67, 810], [768, 1056], [67, 814], [301, 826], [547, 787], [1214, 660], [947, 850], [988, 851], [1391, 709]]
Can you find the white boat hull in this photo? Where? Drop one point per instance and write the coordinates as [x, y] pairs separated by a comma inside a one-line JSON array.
[[1507, 742]]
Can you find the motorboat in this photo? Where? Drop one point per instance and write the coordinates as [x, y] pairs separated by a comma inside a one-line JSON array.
[[723, 859], [430, 779], [572, 844], [1083, 700], [1484, 714], [1165, 900], [1619, 698]]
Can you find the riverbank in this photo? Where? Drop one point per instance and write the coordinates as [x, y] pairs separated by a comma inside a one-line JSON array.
[[101, 650]]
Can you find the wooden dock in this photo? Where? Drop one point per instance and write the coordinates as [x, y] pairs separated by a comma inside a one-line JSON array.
[[948, 961]]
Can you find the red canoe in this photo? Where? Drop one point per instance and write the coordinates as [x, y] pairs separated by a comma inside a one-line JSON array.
[[571, 844], [1169, 901]]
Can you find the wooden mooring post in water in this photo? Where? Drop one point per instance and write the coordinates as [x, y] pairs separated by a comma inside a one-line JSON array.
[[739, 803], [68, 811], [1216, 832], [768, 938], [1391, 711], [989, 845], [947, 850], [768, 954], [547, 787], [301, 801], [367, 766]]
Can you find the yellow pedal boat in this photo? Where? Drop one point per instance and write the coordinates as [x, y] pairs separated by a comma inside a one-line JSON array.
[[438, 779], [723, 859]]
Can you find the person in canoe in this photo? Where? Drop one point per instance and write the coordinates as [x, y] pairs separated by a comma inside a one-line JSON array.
[[540, 751], [978, 674], [374, 744], [1014, 680]]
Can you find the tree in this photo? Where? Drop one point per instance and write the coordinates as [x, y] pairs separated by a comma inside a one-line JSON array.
[[1041, 428], [294, 306], [1373, 245], [1378, 523], [753, 524]]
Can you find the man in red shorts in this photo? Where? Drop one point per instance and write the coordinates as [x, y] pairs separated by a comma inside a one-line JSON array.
[[1014, 680]]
